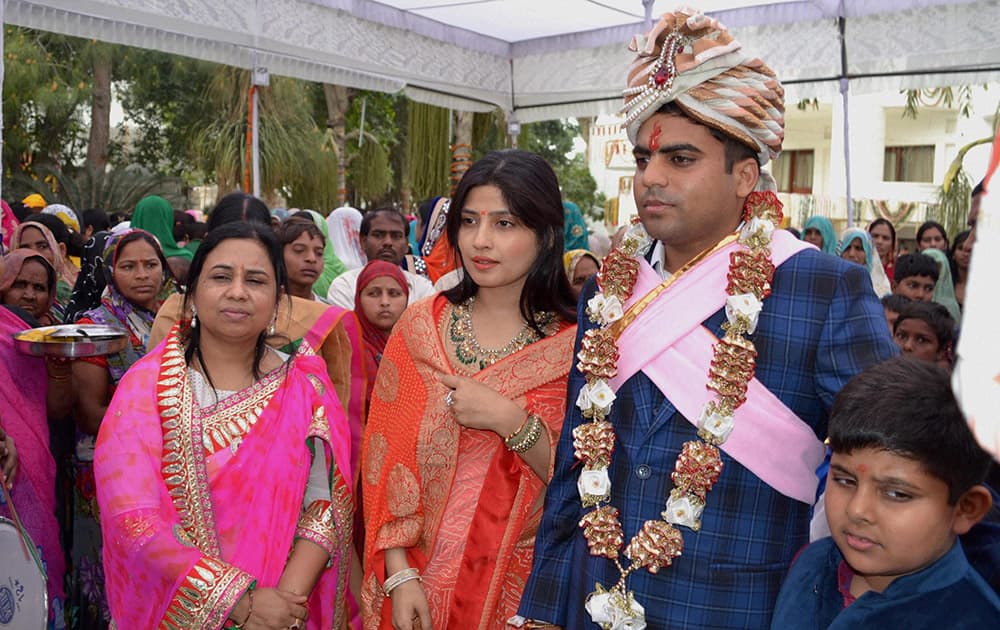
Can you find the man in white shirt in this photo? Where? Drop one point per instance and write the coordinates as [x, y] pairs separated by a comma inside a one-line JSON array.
[[383, 237]]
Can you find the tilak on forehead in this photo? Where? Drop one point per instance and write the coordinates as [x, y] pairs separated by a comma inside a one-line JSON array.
[[692, 60]]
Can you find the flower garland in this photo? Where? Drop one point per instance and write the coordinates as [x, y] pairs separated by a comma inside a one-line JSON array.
[[699, 465]]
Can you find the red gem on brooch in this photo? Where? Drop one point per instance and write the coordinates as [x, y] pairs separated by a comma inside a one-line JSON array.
[[662, 76]]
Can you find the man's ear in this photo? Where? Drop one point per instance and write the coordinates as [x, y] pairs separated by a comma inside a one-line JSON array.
[[62, 249], [971, 508], [747, 172]]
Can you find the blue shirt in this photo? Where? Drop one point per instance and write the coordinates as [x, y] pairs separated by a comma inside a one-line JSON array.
[[947, 594]]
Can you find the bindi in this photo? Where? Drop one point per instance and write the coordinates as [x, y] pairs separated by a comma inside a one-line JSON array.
[[483, 213], [862, 469], [654, 138]]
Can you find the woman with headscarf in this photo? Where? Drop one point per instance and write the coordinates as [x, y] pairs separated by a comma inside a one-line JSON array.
[[27, 282], [379, 301], [332, 265], [944, 289], [819, 231], [31, 389], [855, 245], [580, 265], [960, 257], [136, 279], [345, 236], [155, 215], [33, 234], [883, 235]]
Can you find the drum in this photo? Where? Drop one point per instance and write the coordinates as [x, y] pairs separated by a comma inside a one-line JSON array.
[[24, 600]]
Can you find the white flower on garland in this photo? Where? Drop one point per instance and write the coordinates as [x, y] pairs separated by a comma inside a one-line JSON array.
[[597, 396], [744, 306], [756, 227], [683, 509], [595, 306], [611, 310], [611, 611], [716, 424], [594, 483]]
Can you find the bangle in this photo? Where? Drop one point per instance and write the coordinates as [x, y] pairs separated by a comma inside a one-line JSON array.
[[527, 436], [398, 578], [510, 437], [249, 612]]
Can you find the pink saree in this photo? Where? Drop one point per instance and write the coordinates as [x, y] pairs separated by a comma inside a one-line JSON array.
[[23, 389], [196, 506]]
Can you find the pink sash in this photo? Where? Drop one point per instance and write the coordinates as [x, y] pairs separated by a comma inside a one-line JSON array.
[[668, 343]]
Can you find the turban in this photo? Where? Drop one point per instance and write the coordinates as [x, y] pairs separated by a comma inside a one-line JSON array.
[[65, 214], [34, 201], [693, 61]]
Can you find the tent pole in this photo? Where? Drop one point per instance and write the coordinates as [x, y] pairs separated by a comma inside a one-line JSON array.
[[844, 89], [255, 143]]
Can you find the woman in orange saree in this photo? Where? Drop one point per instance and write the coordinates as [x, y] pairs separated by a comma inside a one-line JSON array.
[[469, 398], [223, 470]]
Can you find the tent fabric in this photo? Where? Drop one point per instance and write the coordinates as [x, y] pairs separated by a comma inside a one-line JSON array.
[[433, 50]]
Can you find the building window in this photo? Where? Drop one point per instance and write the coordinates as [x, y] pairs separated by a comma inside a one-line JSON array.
[[909, 164], [793, 171]]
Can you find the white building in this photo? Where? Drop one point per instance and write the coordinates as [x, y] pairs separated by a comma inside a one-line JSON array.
[[897, 163]]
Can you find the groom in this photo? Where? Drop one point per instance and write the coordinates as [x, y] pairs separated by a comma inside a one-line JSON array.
[[709, 353]]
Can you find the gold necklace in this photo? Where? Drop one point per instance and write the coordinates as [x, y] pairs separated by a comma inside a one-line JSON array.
[[469, 352]]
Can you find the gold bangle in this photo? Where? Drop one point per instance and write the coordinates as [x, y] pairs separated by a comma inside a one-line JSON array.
[[527, 419], [524, 439]]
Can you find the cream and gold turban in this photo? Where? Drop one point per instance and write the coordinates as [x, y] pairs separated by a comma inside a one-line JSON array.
[[693, 60]]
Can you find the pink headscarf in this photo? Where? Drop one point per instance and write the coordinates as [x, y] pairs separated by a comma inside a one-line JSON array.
[[374, 338], [11, 269], [7, 225]]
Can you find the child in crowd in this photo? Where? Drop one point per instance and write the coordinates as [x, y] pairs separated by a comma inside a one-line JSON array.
[[905, 481], [892, 304], [915, 277], [925, 331]]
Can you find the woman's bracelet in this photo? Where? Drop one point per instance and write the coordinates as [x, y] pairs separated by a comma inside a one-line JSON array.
[[527, 436], [249, 610], [398, 578]]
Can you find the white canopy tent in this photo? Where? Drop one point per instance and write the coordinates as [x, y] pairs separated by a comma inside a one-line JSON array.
[[539, 59]]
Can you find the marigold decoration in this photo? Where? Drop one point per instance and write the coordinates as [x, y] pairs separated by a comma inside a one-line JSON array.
[[698, 467]]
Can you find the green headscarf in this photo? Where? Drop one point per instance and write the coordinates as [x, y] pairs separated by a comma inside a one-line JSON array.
[[332, 266], [944, 289], [575, 236], [825, 228], [155, 215]]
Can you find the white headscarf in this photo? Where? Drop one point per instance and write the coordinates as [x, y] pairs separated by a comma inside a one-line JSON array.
[[345, 236]]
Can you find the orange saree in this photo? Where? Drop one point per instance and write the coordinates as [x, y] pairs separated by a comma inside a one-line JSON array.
[[464, 507]]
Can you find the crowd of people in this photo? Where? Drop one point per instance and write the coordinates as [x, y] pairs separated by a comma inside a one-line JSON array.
[[479, 417]]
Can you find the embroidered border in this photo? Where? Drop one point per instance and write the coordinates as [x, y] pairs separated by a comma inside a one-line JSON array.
[[205, 596], [183, 464], [316, 525]]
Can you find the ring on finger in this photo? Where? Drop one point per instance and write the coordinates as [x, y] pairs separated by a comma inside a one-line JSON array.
[[449, 398]]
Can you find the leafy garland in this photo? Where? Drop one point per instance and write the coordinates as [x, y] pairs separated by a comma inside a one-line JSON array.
[[699, 465], [428, 150]]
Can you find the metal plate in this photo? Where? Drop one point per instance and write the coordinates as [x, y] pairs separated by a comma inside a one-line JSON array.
[[71, 340]]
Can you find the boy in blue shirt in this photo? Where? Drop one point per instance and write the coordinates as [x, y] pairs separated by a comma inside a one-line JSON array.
[[905, 481]]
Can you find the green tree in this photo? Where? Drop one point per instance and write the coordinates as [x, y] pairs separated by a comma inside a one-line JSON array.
[[45, 87], [554, 140]]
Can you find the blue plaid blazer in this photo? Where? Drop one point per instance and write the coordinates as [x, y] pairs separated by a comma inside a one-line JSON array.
[[821, 326]]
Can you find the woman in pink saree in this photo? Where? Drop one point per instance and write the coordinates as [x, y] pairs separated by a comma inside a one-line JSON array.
[[223, 469]]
